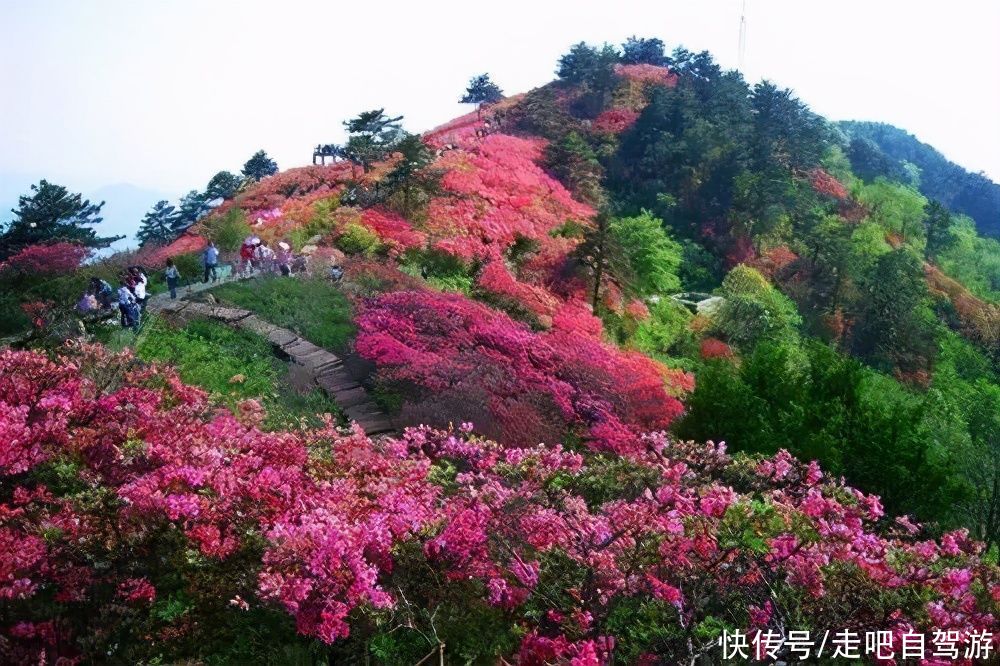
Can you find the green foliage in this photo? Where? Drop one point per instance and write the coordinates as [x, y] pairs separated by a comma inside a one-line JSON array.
[[895, 327], [372, 136], [820, 404], [227, 231], [358, 239], [157, 225], [665, 333], [754, 310], [314, 308], [319, 224], [192, 207], [51, 214], [972, 259], [896, 208], [233, 366], [573, 162], [260, 166], [652, 256], [223, 185], [481, 90], [644, 51]]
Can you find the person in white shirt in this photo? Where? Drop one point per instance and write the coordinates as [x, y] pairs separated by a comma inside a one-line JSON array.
[[139, 282], [128, 306], [211, 258]]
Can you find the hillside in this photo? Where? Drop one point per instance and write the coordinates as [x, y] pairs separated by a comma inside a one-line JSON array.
[[564, 301], [878, 149]]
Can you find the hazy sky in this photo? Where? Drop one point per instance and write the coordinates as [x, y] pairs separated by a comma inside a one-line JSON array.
[[165, 93]]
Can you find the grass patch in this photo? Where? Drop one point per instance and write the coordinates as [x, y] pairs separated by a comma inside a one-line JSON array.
[[233, 366], [314, 308]]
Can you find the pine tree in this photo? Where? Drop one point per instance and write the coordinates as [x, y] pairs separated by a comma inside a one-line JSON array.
[[373, 136], [193, 206], [937, 225], [260, 166], [643, 51], [222, 186], [51, 214], [481, 91], [157, 225]]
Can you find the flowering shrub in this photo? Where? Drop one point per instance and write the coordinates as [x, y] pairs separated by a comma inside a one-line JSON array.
[[715, 348], [46, 259], [134, 520], [615, 121], [826, 184], [531, 383], [495, 193], [393, 230], [495, 279], [646, 73]]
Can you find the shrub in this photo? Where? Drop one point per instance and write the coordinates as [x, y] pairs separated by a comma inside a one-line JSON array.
[[533, 386], [312, 307], [227, 231], [140, 525], [358, 239]]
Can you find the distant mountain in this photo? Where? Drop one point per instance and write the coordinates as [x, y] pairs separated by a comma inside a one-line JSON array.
[[124, 208], [879, 149], [125, 204]]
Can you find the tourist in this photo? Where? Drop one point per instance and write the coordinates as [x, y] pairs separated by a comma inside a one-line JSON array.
[[102, 291], [264, 257], [139, 282], [211, 258], [173, 277], [246, 257], [285, 258], [127, 305]]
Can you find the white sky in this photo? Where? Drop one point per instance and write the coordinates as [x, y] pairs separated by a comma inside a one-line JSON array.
[[165, 93]]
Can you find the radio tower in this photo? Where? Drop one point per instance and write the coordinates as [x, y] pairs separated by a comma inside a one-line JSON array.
[[741, 49]]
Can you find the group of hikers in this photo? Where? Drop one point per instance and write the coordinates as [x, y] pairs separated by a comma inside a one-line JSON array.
[[255, 254], [131, 296]]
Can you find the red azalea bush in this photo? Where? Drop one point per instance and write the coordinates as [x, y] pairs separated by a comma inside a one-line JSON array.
[[394, 231], [46, 259], [123, 487], [646, 73], [715, 348], [495, 193], [532, 383], [615, 121], [495, 279], [823, 183]]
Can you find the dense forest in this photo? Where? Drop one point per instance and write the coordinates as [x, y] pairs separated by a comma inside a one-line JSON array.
[[668, 354], [877, 149]]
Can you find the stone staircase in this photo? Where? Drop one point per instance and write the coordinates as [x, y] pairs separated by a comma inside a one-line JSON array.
[[327, 370]]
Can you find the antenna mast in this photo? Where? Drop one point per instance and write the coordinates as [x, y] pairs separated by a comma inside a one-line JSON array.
[[741, 49]]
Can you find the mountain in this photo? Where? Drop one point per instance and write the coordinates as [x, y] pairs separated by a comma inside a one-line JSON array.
[[565, 301], [878, 149], [125, 206]]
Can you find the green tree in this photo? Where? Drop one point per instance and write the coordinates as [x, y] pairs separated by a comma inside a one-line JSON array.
[[193, 206], [651, 257], [50, 213], [260, 166], [372, 136], [893, 326], [753, 310], [642, 50], [574, 163], [594, 69], [412, 182], [481, 90], [937, 228], [223, 185], [158, 224]]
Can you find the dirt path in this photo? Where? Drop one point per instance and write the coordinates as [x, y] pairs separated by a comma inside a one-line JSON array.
[[326, 369]]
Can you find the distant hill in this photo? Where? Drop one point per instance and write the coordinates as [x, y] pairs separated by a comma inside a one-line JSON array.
[[125, 205], [879, 149]]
